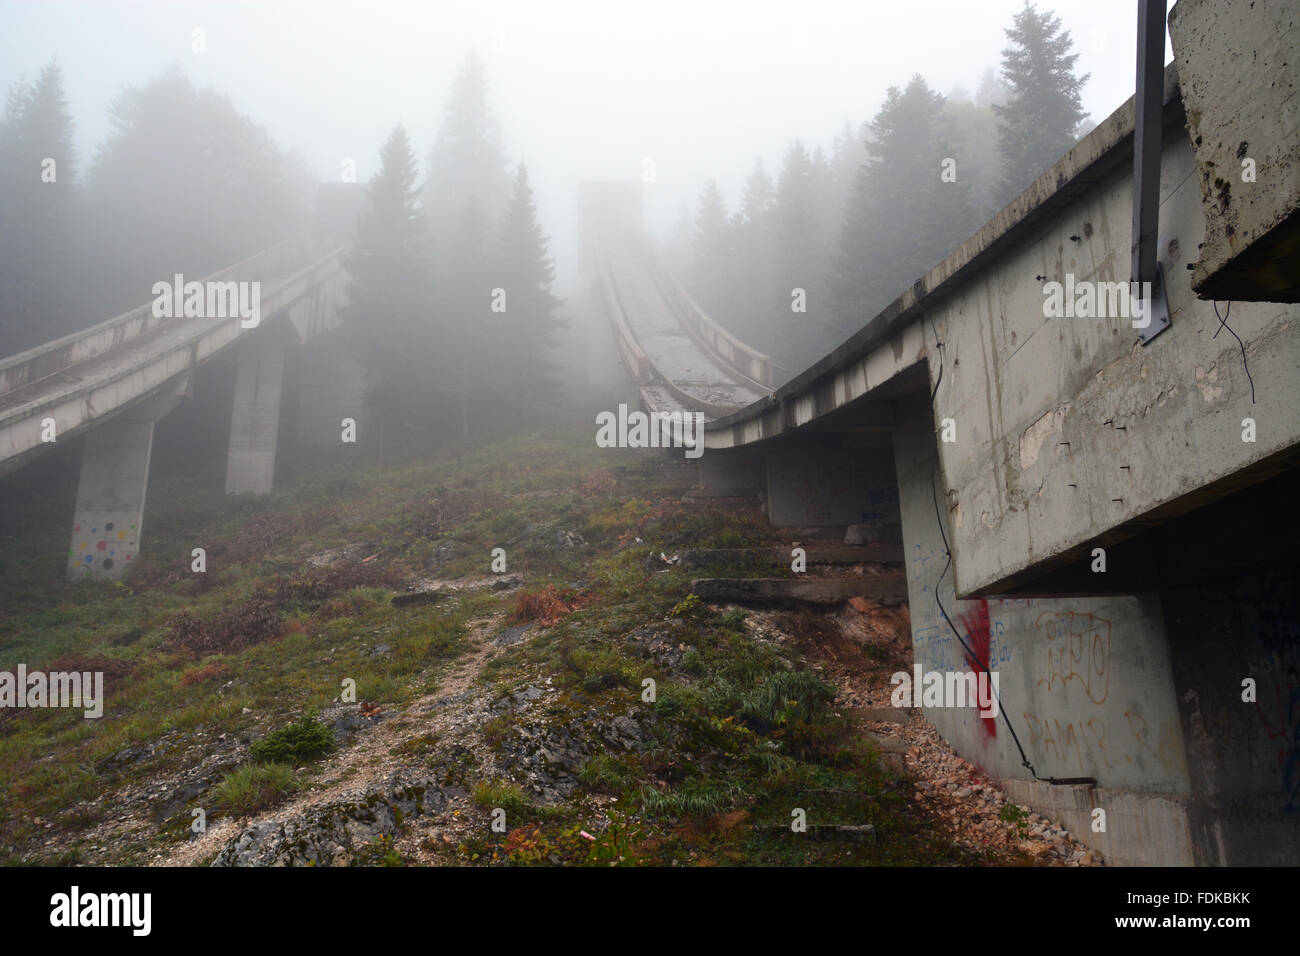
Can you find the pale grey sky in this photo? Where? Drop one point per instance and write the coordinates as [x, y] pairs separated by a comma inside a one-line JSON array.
[[582, 88]]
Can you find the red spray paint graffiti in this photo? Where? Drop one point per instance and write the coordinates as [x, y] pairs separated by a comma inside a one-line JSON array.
[[976, 622]]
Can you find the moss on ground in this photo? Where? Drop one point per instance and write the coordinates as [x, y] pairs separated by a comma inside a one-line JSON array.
[[740, 733]]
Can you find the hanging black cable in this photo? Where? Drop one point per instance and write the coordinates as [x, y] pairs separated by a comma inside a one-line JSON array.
[[1223, 324], [938, 516]]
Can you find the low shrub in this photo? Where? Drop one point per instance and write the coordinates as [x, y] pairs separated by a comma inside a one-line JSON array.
[[302, 740]]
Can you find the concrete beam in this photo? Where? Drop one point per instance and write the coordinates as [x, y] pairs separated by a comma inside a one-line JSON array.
[[830, 479], [255, 422], [739, 473], [83, 378]]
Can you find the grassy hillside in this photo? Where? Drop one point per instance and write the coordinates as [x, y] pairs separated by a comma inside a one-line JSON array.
[[223, 688]]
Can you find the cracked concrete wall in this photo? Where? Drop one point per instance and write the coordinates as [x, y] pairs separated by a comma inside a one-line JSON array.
[[1086, 683], [1065, 428], [1239, 71]]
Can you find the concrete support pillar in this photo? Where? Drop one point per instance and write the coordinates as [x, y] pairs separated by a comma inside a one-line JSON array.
[[110, 499], [733, 472], [832, 479], [255, 422], [109, 515], [331, 387]]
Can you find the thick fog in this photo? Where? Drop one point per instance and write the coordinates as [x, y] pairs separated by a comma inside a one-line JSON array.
[[582, 89]]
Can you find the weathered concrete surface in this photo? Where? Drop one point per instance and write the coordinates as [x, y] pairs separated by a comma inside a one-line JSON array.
[[661, 346], [737, 473], [255, 418], [108, 521], [831, 479], [1028, 441], [1141, 829], [678, 356], [1067, 434], [893, 342], [744, 362], [109, 518], [85, 378], [885, 587], [1086, 682], [1243, 109]]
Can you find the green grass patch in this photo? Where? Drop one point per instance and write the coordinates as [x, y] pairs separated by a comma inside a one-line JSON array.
[[253, 787]]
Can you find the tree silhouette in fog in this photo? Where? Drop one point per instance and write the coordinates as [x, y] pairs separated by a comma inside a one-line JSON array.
[[184, 183], [804, 232], [1040, 120], [389, 297], [902, 218], [38, 210], [529, 323], [468, 166], [712, 249], [749, 302]]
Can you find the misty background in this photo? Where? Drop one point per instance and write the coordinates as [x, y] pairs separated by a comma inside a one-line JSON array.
[[781, 146]]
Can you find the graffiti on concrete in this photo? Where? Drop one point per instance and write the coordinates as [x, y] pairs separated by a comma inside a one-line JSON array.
[[1090, 744], [1078, 650]]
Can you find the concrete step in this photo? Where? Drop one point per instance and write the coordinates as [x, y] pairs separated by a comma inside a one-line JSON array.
[[887, 589], [845, 554], [890, 715]]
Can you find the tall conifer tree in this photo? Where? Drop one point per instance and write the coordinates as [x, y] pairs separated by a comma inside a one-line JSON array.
[[1040, 121], [530, 323], [389, 298]]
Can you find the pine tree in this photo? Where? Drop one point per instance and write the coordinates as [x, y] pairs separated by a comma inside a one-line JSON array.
[[1040, 120], [468, 164], [389, 295], [465, 320], [192, 182], [901, 218], [974, 131], [848, 153], [751, 278], [529, 321], [802, 243], [713, 258], [757, 199], [992, 91], [38, 205]]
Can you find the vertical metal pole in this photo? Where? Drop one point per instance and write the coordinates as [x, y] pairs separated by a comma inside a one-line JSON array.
[[1146, 137]]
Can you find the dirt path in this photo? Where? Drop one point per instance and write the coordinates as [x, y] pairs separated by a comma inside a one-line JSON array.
[[450, 714]]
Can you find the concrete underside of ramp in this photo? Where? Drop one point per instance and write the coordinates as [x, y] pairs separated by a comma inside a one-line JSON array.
[[1106, 526]]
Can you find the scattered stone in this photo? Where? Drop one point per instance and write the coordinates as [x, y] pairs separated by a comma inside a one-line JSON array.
[[333, 834], [569, 539], [512, 635]]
